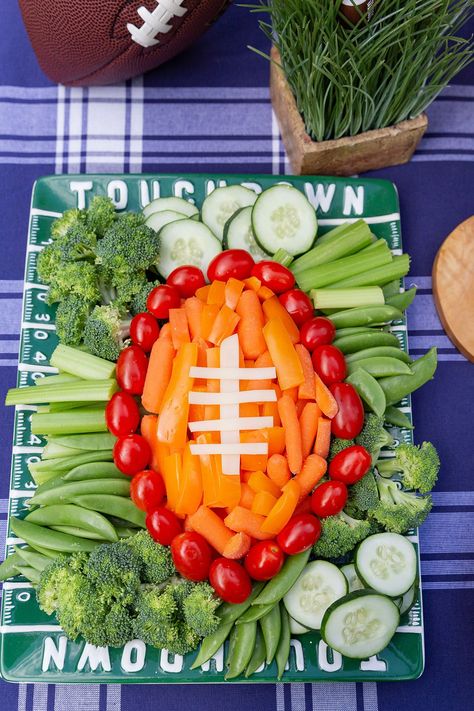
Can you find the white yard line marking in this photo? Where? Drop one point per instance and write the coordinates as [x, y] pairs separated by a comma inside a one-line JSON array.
[[18, 629], [232, 373], [45, 213], [19, 449], [31, 368], [376, 220], [225, 425], [39, 326], [238, 448], [16, 586], [197, 398]]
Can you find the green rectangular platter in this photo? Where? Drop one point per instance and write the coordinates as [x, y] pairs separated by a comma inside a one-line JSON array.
[[33, 647]]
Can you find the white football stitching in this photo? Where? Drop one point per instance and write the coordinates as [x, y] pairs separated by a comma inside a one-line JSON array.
[[156, 22]]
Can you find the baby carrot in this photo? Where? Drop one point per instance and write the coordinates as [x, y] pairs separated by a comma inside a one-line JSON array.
[[314, 468], [323, 437], [158, 374], [309, 426], [278, 470], [289, 421], [250, 325]]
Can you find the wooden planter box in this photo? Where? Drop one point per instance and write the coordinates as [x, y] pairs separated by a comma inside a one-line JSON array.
[[344, 156]]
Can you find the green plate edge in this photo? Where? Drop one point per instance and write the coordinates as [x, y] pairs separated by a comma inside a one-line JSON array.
[[32, 648]]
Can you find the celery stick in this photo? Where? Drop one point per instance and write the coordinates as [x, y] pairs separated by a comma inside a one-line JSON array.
[[90, 391], [395, 269], [327, 274], [335, 232], [282, 257], [74, 422], [59, 379], [354, 238], [347, 298], [55, 451], [62, 406], [82, 364]]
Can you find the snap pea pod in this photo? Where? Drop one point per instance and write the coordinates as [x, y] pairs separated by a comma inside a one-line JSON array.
[[392, 288], [283, 650], [32, 558], [94, 441], [258, 655], [278, 586], [228, 612], [113, 505], [46, 551], [359, 341], [394, 416], [29, 573], [399, 386], [366, 316], [384, 351], [49, 484], [402, 300], [63, 464], [125, 531], [31, 533], [80, 533], [70, 515], [242, 645], [68, 490], [55, 451], [369, 390], [341, 332], [8, 567], [380, 366], [93, 470], [271, 628], [255, 612]]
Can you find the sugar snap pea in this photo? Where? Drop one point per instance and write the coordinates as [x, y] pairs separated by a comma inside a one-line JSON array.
[[211, 644], [278, 586], [62, 464], [49, 484], [271, 628], [391, 288], [8, 567], [341, 332], [402, 300], [258, 655], [31, 533], [91, 442], [46, 551], [55, 451], [70, 515], [399, 386], [380, 366], [125, 531], [255, 612], [369, 390], [394, 416], [228, 612], [385, 351], [366, 316], [283, 650], [80, 533], [359, 341], [113, 505], [93, 470], [29, 573], [68, 490], [243, 643], [32, 558]]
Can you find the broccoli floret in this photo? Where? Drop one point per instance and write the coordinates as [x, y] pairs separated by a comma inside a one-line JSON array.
[[71, 317], [78, 243], [159, 622], [100, 214], [110, 626], [419, 466], [70, 218], [48, 263], [127, 246], [374, 436], [199, 609], [74, 278], [364, 495], [399, 510], [338, 445], [157, 562], [138, 303], [106, 332], [127, 288], [55, 581], [115, 570], [340, 534]]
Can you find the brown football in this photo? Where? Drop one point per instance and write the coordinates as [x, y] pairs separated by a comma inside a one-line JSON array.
[[104, 41]]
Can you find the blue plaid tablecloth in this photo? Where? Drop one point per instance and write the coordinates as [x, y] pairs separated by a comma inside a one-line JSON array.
[[209, 111]]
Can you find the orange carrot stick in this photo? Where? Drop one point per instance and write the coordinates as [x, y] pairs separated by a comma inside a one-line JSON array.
[[237, 547], [233, 291], [289, 421], [165, 332], [211, 527], [173, 477], [173, 419], [265, 293], [263, 503], [208, 316], [300, 407], [193, 308], [276, 440], [309, 426], [158, 374], [148, 429], [253, 462], [306, 390], [216, 294], [325, 398], [190, 492], [273, 309], [258, 481], [253, 283], [203, 292], [244, 521], [224, 325], [250, 325], [278, 470], [270, 409], [283, 354], [283, 508], [179, 327], [292, 392], [314, 468], [250, 409], [247, 495], [323, 437]]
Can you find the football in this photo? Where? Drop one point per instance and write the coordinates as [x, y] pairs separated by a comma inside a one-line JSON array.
[[96, 42]]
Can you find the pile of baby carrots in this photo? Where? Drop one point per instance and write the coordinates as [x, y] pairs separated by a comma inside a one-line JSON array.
[[230, 511]]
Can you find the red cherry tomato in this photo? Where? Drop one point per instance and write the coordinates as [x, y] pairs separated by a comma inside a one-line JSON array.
[[300, 533], [235, 263], [274, 276], [329, 498], [161, 299], [163, 525], [264, 560], [132, 365], [122, 414], [144, 331], [147, 490], [318, 331], [230, 580], [192, 556], [350, 465], [298, 305], [186, 280], [350, 417], [329, 363], [131, 454]]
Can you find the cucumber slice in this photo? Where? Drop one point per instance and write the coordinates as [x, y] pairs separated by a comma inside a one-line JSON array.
[[360, 624], [171, 203], [238, 234], [318, 586], [186, 242], [296, 628], [386, 562], [221, 204], [408, 599], [159, 219], [353, 581], [282, 218]]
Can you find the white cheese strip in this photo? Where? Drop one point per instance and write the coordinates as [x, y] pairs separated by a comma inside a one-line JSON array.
[[232, 373], [229, 356], [251, 448], [197, 398], [238, 424]]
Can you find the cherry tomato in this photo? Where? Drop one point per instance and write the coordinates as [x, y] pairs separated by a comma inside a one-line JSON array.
[[298, 305], [186, 280], [132, 365], [122, 414], [161, 299], [131, 454], [163, 525], [235, 263], [350, 465], [350, 417], [300, 533], [147, 490], [274, 276], [230, 580], [264, 560], [318, 331], [329, 363], [329, 498], [144, 331], [192, 556]]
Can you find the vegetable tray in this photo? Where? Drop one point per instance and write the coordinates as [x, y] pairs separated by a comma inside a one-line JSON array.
[[35, 649]]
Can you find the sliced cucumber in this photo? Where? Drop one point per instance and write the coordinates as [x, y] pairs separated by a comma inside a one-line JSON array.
[[159, 219], [186, 242], [296, 628], [221, 204], [386, 562], [171, 203], [282, 218], [238, 234], [353, 581], [319, 585], [360, 624], [406, 602]]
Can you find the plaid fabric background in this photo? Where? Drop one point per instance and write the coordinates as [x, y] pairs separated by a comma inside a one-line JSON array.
[[209, 110]]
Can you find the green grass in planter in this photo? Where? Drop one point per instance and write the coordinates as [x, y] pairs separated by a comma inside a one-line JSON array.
[[384, 70]]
